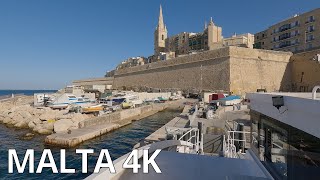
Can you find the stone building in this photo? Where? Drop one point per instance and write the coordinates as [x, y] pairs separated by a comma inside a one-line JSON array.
[[242, 40], [296, 34], [110, 73], [186, 42], [160, 35], [133, 61]]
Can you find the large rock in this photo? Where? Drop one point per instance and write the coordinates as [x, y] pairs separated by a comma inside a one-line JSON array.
[[48, 125], [36, 120], [75, 125], [79, 117], [41, 129], [11, 114], [51, 114], [21, 124], [45, 131], [7, 120], [31, 125], [62, 125], [18, 118], [65, 116], [47, 115], [25, 114], [37, 112]]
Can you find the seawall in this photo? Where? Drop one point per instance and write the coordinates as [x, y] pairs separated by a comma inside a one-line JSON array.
[[98, 126]]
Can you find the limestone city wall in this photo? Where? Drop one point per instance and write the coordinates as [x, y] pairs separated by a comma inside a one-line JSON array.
[[252, 69], [231, 69], [206, 70], [305, 71]]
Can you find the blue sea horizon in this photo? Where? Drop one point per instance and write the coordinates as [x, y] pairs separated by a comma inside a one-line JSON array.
[[25, 92]]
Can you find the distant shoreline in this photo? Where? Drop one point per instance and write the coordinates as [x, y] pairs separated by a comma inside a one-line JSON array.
[[25, 92]]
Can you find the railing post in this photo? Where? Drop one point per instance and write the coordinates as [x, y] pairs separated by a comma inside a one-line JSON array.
[[314, 92], [241, 137], [200, 127]]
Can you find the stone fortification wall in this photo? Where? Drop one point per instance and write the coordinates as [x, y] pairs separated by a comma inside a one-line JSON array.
[[231, 69], [94, 81], [252, 69], [180, 73], [305, 71]]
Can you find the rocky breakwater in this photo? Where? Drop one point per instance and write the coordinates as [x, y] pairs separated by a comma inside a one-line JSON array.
[[19, 113]]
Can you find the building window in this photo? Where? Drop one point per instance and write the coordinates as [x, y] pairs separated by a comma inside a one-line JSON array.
[[301, 79], [310, 19], [162, 37], [309, 46], [310, 28], [310, 37]]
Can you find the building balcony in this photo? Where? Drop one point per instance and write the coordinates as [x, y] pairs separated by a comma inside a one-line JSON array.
[[310, 31], [309, 40], [286, 29], [310, 21], [287, 38]]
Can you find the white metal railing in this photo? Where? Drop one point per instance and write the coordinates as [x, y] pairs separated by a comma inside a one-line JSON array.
[[190, 135], [229, 147], [194, 138]]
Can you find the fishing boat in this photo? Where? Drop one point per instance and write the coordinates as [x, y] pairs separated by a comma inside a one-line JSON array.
[[63, 101], [94, 108]]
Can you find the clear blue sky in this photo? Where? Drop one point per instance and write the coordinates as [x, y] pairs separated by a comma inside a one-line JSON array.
[[45, 44]]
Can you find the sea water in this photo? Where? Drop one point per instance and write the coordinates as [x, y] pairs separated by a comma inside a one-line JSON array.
[[118, 142]]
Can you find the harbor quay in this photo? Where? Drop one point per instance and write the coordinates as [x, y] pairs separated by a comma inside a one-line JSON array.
[[68, 126], [98, 126]]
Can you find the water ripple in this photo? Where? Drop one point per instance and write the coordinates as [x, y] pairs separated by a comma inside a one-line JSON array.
[[118, 143]]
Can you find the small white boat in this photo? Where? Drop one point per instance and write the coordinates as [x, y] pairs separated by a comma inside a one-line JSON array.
[[63, 101]]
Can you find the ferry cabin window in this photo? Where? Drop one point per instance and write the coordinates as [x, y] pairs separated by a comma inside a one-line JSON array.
[[287, 152]]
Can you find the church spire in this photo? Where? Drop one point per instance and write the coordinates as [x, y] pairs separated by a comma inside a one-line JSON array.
[[160, 35], [160, 21], [211, 21]]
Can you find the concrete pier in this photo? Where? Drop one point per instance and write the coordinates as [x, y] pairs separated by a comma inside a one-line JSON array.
[[160, 134], [213, 128], [98, 126]]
